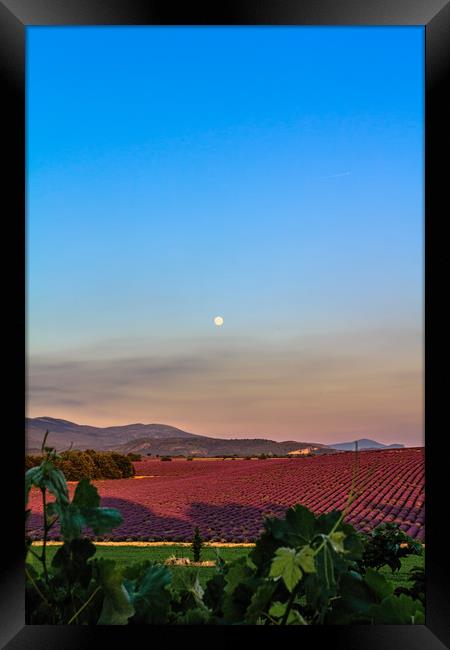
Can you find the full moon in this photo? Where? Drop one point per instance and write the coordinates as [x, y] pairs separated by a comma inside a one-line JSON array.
[[218, 321]]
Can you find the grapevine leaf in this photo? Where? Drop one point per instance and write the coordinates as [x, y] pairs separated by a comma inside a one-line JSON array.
[[297, 528], [47, 476], [135, 570], [191, 592], [33, 476], [277, 609], [265, 548], [214, 592], [398, 610], [260, 600], [240, 585], [55, 481], [337, 541], [354, 603], [326, 521], [101, 520], [306, 559], [71, 561], [285, 565], [237, 573], [295, 618], [84, 512], [378, 584], [152, 599], [195, 616], [86, 495], [117, 608], [353, 544], [419, 617]]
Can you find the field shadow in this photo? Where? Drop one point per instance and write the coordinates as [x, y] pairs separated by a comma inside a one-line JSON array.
[[231, 522]]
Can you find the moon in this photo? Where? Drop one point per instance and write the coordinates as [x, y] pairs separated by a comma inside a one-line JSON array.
[[218, 321]]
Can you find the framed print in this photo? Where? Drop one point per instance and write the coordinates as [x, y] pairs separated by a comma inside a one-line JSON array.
[[226, 233]]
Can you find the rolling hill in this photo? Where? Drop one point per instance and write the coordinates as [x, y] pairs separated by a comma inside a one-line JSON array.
[[162, 440], [152, 439], [364, 443], [62, 433]]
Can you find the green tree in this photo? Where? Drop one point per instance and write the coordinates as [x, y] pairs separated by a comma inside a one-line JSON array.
[[197, 544]]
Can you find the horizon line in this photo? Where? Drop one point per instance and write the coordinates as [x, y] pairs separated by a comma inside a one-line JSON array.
[[253, 437]]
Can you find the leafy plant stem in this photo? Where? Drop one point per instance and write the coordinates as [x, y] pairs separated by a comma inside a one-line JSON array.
[[44, 441], [270, 618], [44, 544], [36, 555], [30, 578], [289, 606], [83, 607], [351, 497]]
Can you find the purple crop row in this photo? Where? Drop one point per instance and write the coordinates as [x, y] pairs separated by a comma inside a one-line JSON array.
[[229, 500]]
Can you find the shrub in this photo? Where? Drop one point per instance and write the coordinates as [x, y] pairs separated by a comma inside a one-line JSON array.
[[417, 588], [105, 467], [90, 464], [123, 464], [387, 544], [165, 458], [77, 465], [189, 458], [197, 544], [135, 457], [32, 461]]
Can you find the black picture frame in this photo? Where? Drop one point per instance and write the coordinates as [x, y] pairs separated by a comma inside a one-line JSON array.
[[434, 15]]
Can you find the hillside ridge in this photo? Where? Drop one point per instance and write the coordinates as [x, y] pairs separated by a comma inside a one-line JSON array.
[[164, 439]]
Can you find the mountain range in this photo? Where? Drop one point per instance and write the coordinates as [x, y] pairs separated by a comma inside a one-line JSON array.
[[364, 443], [162, 439]]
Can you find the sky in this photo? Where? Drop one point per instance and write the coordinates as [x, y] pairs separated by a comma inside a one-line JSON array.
[[272, 176]]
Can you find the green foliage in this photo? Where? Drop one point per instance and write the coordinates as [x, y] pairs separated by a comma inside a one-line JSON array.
[[398, 610], [124, 464], [117, 607], [149, 595], [135, 457], [417, 587], [84, 512], [74, 588], [387, 545], [90, 464], [285, 565], [197, 544], [304, 570]]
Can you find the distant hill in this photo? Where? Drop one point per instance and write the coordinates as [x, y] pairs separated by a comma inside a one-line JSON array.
[[363, 443], [206, 446], [155, 439], [62, 433]]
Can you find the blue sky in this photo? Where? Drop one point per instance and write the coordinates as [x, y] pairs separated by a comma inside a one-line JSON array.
[[273, 176]]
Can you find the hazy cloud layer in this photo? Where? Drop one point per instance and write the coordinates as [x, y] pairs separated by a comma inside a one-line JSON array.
[[315, 387]]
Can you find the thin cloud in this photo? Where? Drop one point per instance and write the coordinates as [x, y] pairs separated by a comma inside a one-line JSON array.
[[307, 386]]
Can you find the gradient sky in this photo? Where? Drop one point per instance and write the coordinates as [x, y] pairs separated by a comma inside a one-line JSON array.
[[270, 175]]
